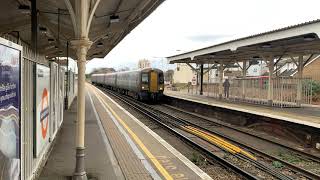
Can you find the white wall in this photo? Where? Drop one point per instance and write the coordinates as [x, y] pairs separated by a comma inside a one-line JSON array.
[[182, 74]]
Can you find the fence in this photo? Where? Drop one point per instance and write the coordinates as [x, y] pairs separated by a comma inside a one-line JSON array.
[[284, 91]]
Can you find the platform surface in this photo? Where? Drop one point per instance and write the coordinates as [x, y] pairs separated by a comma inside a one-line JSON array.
[[61, 162], [136, 151], [309, 116], [150, 156]]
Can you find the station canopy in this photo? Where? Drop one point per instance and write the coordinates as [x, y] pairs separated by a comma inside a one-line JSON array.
[[112, 21], [301, 39]]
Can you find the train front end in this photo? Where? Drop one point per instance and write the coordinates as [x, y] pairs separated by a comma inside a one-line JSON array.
[[152, 85]]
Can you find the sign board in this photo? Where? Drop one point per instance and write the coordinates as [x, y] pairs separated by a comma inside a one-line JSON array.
[[10, 110], [194, 81], [42, 124]]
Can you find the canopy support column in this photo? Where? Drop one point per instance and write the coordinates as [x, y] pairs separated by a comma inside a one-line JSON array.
[[201, 79], [244, 73], [270, 83], [221, 68], [299, 85], [81, 14], [81, 47]]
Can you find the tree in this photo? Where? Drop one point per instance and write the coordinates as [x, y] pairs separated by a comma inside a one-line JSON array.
[[102, 70], [124, 69], [168, 76]]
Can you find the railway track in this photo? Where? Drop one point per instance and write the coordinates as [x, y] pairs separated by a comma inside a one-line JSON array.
[[219, 123], [174, 123], [208, 124]]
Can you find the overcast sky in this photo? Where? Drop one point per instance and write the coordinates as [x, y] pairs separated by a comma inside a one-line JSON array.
[[185, 25]]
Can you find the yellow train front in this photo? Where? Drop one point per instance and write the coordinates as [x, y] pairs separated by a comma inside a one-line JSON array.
[[152, 85], [143, 84]]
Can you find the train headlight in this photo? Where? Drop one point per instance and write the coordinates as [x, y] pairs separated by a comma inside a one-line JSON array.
[[145, 87]]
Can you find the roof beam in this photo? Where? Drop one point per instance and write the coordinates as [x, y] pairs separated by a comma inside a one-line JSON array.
[[91, 13], [72, 16]]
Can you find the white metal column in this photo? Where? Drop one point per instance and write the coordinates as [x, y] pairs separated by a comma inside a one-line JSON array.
[[299, 85], [244, 73], [81, 17], [270, 84], [221, 68]]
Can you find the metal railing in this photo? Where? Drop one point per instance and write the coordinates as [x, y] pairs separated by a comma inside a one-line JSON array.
[[283, 92]]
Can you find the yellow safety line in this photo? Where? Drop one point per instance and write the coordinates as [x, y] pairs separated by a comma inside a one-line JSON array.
[[219, 141], [239, 150], [161, 169], [201, 135]]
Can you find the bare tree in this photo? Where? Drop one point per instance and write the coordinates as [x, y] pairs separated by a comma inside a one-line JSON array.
[[168, 76]]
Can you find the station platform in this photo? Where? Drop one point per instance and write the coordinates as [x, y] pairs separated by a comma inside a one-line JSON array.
[[118, 146], [309, 116]]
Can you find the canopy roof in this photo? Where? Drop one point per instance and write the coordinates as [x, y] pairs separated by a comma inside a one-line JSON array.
[[55, 25], [300, 39]]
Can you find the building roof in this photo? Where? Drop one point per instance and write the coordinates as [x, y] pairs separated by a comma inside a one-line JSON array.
[[16, 20], [297, 39]]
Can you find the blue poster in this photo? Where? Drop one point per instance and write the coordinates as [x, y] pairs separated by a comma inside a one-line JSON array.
[[9, 113]]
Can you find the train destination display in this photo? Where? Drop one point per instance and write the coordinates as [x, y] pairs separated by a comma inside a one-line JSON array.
[[9, 113]]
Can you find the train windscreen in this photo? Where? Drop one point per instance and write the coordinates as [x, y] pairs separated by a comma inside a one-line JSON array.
[[144, 78]]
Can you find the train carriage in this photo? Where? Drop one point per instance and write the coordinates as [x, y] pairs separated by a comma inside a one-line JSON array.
[[143, 84]]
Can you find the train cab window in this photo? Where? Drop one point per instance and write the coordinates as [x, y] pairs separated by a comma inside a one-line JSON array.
[[144, 78], [161, 80]]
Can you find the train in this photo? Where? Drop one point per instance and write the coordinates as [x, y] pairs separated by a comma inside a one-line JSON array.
[[143, 84]]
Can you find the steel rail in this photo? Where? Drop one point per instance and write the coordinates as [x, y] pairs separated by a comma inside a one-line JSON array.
[[147, 109], [308, 155], [214, 157], [305, 172], [256, 163]]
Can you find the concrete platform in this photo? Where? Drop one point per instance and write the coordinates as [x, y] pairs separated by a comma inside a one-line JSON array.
[[140, 152], [61, 162], [309, 116], [118, 146]]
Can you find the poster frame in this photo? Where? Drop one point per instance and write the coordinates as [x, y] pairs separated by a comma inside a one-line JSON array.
[[38, 153], [19, 48]]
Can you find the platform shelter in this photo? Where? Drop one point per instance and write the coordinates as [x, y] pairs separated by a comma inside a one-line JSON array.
[[298, 44], [48, 30]]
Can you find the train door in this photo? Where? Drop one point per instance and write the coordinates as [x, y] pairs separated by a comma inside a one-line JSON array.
[[153, 81]]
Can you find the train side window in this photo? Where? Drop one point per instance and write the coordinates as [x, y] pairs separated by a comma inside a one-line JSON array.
[[161, 80], [144, 78]]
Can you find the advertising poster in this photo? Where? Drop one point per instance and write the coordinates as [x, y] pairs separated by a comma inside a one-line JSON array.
[[43, 108], [61, 95], [9, 113], [54, 99]]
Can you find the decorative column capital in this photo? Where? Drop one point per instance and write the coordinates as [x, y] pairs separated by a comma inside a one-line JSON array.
[[81, 46], [77, 43]]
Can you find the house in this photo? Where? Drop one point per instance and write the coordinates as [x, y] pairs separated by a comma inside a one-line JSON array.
[[144, 63], [183, 73]]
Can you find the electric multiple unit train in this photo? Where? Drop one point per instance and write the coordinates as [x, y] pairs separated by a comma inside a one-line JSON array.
[[143, 84]]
